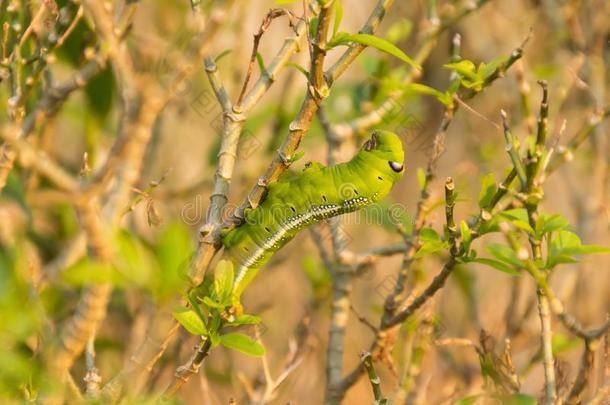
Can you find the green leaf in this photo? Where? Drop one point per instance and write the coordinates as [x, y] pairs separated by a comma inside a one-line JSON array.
[[421, 178], [488, 189], [467, 400], [562, 343], [390, 216], [498, 265], [428, 234], [172, 252], [565, 245], [587, 249], [518, 217], [423, 89], [430, 243], [88, 272], [316, 274], [214, 338], [555, 259], [260, 61], [190, 321], [516, 213], [516, 399], [210, 303], [338, 16], [135, 261], [222, 55], [242, 343], [466, 235], [223, 281], [313, 27], [399, 30], [246, 319], [444, 98], [550, 223], [567, 242], [100, 92], [464, 68], [504, 254], [299, 68], [297, 156], [344, 38], [486, 70]]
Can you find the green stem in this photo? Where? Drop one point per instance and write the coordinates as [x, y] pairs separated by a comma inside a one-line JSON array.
[[367, 362]]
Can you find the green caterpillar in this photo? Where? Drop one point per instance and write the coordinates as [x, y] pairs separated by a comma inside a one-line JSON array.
[[295, 202]]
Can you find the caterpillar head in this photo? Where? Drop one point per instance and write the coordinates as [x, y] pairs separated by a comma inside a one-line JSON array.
[[384, 157]]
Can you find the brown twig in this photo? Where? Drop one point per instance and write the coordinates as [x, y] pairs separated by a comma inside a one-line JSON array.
[[190, 368], [271, 15]]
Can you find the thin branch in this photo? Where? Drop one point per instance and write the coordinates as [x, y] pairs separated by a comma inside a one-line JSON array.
[[367, 362], [93, 380], [217, 86], [436, 284], [33, 157], [566, 154], [190, 368], [271, 15], [584, 373], [512, 148], [449, 206], [546, 335]]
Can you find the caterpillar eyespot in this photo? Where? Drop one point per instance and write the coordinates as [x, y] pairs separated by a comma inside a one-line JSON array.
[[295, 202], [397, 167]]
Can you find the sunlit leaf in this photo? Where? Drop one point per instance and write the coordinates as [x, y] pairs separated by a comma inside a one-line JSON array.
[[504, 254], [550, 223], [242, 343], [223, 280], [421, 178], [173, 251], [344, 38], [464, 67], [518, 217], [516, 399], [562, 343], [338, 16], [498, 265], [190, 321], [471, 400], [88, 271], [465, 234], [399, 30], [299, 68], [488, 189], [430, 243], [246, 319], [222, 55]]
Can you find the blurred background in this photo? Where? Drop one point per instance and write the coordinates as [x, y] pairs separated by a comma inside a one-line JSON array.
[[568, 45]]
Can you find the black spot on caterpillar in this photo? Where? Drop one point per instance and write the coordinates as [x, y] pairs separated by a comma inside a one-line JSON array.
[[317, 193]]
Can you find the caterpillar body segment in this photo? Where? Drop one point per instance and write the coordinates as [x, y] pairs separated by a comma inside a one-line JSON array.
[[297, 201]]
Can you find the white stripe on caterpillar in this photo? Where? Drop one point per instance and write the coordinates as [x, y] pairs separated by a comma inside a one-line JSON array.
[[315, 213]]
